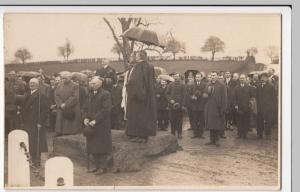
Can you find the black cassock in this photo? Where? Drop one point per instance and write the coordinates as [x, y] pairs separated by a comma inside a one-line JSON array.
[[141, 103]]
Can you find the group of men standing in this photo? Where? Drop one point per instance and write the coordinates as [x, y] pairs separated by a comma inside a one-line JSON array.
[[217, 102], [213, 102]]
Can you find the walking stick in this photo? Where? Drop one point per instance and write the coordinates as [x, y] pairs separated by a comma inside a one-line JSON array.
[[39, 118]]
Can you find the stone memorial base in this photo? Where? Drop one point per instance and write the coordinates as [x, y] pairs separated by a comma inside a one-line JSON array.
[[127, 156]]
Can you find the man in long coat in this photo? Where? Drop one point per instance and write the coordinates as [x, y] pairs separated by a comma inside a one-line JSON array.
[[68, 118], [35, 110], [141, 104], [196, 105], [230, 85], [266, 104], [97, 116], [242, 95], [215, 109]]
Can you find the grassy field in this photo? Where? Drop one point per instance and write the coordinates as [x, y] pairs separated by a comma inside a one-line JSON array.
[[171, 66]]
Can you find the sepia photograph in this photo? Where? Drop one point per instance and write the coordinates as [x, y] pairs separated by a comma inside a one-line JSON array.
[[155, 100]]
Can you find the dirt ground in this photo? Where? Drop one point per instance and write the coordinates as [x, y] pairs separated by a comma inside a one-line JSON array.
[[236, 163]]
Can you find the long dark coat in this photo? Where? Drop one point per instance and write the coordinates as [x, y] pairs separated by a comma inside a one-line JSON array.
[[31, 118], [197, 90], [161, 97], [68, 94], [98, 109], [141, 104], [230, 86], [266, 101], [242, 96], [215, 107]]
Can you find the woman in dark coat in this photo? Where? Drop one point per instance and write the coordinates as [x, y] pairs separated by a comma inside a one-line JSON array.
[[35, 110], [97, 118], [141, 111]]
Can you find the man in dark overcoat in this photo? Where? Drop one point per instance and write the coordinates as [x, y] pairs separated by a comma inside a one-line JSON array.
[[116, 111], [230, 85], [35, 109], [266, 104], [176, 95], [196, 104], [162, 106], [242, 95], [108, 74], [141, 111], [215, 109], [97, 117]]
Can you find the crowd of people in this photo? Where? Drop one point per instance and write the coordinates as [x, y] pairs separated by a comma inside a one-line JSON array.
[[141, 103]]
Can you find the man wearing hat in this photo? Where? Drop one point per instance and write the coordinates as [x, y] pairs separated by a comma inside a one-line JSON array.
[[108, 74], [97, 126], [266, 103], [176, 93]]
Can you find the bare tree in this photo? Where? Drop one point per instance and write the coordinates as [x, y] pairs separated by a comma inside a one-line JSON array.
[[124, 44], [174, 46], [271, 52], [22, 55], [116, 49], [213, 44], [251, 51], [66, 50]]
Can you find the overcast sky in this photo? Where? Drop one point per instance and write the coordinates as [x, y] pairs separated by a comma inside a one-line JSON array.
[[43, 33]]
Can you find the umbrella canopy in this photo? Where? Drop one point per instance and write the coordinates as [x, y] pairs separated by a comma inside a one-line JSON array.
[[166, 77], [145, 36]]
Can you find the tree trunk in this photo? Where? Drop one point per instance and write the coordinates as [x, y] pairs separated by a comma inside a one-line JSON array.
[[119, 56], [174, 54], [213, 55]]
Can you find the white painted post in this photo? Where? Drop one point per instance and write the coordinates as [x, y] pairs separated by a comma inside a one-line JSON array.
[[59, 172], [18, 166]]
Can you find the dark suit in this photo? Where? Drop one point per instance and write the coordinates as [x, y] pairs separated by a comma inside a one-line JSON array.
[[116, 111], [162, 107], [230, 115], [109, 74], [196, 104], [176, 91], [266, 104], [242, 96]]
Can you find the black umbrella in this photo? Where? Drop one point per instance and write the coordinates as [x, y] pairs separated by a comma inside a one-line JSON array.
[[145, 36]]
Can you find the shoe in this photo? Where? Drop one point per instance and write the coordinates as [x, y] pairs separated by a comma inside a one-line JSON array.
[[101, 171], [210, 143], [93, 170]]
